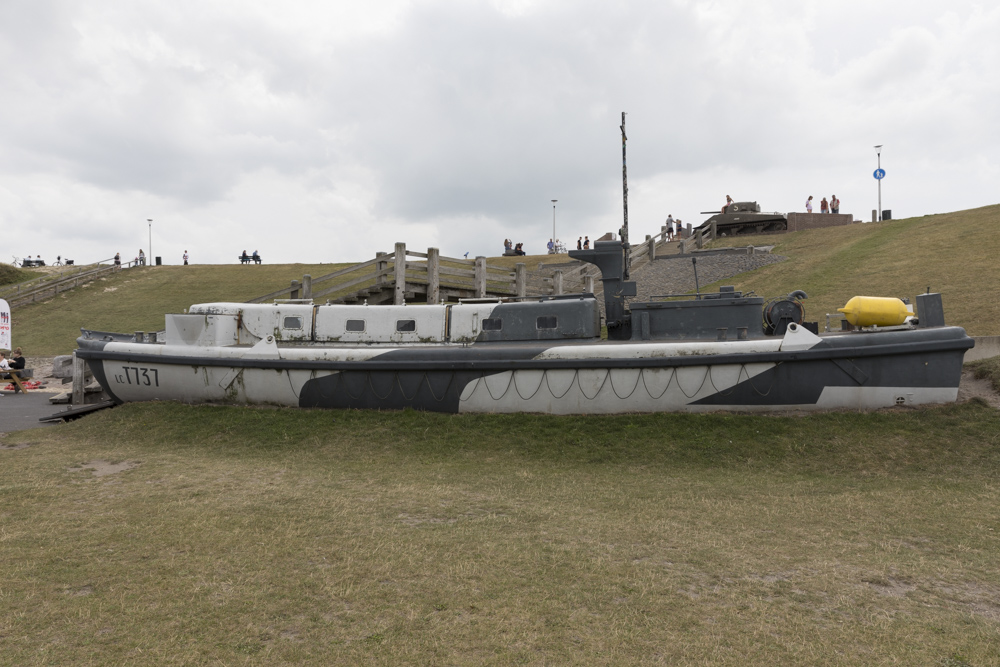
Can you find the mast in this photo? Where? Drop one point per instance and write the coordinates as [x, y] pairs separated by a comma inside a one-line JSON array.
[[624, 229]]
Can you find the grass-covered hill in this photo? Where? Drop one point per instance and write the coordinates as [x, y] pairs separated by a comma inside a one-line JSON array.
[[952, 253]]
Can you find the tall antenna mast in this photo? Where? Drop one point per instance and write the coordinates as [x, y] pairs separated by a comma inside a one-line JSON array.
[[624, 229]]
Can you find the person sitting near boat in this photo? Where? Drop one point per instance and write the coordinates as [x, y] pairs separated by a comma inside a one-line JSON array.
[[16, 360]]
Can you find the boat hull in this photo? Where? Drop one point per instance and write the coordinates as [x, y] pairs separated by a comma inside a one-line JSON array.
[[798, 372]]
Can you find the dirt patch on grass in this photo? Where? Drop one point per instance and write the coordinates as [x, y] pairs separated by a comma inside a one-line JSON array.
[[971, 388], [104, 468]]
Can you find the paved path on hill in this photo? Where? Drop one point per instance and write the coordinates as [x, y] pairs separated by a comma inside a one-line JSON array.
[[676, 275]]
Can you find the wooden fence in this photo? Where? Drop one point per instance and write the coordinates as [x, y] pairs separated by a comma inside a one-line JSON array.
[[48, 286], [432, 278]]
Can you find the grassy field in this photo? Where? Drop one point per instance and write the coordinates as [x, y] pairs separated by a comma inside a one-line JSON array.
[[164, 533], [952, 253]]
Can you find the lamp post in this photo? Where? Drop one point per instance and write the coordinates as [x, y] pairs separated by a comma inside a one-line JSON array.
[[554, 225], [149, 259], [878, 153]]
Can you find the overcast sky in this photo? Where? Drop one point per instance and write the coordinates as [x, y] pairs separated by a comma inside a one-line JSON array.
[[325, 131]]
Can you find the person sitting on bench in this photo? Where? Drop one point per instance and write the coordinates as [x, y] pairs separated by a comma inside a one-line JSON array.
[[16, 360], [244, 258], [256, 257]]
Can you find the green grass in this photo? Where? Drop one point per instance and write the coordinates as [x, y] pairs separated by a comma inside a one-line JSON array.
[[952, 253], [260, 537], [10, 275]]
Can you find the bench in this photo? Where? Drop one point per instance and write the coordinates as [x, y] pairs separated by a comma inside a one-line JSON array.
[[16, 376], [246, 259], [32, 263]]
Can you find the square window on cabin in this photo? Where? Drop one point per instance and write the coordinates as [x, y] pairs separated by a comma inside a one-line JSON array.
[[292, 323], [492, 324], [406, 325], [355, 325], [547, 322]]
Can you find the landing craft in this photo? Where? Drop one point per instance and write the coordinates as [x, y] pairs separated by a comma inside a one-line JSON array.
[[691, 353]]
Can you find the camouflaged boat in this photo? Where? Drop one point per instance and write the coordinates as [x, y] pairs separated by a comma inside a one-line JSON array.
[[708, 352]]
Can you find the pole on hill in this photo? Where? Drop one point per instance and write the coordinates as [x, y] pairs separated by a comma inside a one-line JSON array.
[[624, 229]]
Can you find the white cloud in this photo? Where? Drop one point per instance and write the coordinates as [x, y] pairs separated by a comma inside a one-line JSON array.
[[326, 131]]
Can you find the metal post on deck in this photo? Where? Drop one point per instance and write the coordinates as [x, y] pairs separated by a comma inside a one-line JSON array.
[[480, 276], [399, 274]]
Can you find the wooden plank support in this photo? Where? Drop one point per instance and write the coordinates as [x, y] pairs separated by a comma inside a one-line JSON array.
[[433, 275], [79, 371], [400, 274], [520, 279], [480, 277]]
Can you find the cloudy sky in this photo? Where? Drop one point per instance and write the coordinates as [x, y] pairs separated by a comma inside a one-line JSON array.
[[325, 131]]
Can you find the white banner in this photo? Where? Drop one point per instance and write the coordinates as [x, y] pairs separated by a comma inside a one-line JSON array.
[[4, 326]]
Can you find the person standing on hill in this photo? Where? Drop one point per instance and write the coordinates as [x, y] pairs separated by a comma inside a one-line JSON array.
[[142, 258], [809, 204], [185, 258], [834, 204], [824, 206]]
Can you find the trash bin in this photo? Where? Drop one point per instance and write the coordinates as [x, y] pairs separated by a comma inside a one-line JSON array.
[[887, 214], [159, 261]]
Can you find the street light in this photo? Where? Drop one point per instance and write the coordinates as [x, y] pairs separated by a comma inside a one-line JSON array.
[[554, 224], [878, 152], [150, 257]]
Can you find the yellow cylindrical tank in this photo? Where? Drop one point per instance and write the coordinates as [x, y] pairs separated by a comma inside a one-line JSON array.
[[879, 311]]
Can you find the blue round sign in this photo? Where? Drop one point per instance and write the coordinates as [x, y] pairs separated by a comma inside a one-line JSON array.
[[879, 174]]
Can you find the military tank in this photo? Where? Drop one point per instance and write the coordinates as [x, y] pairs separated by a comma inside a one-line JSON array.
[[744, 217]]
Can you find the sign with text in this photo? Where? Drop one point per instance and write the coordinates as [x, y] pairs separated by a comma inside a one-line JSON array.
[[4, 325]]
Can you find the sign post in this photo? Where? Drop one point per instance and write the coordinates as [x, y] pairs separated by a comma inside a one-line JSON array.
[[879, 175]]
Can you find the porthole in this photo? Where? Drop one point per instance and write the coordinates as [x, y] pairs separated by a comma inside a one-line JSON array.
[[406, 326], [492, 324], [547, 322], [292, 322], [355, 326]]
